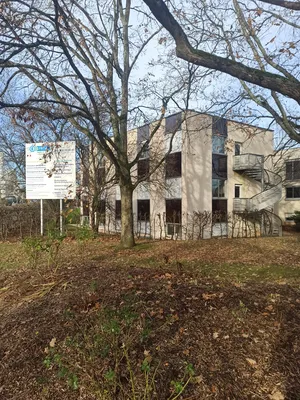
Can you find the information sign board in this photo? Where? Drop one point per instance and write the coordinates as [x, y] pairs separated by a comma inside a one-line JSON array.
[[50, 170]]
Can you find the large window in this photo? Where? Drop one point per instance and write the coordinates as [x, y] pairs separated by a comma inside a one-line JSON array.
[[292, 170], [118, 210], [218, 188], [219, 209], [143, 210], [101, 211], [219, 126], [173, 165], [100, 173], [219, 166], [173, 123], [218, 144], [143, 133], [173, 211], [143, 169], [293, 192]]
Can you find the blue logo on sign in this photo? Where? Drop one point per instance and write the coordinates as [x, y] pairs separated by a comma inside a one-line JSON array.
[[34, 148]]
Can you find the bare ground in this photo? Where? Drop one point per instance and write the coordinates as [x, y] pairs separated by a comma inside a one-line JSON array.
[[214, 319]]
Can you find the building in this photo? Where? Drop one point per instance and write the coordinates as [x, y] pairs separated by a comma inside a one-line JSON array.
[[287, 164], [217, 180]]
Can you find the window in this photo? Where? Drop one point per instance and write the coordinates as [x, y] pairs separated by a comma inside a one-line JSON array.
[[85, 208], [173, 165], [219, 166], [237, 148], [85, 177], [143, 210], [118, 210], [173, 211], [101, 211], [143, 168], [143, 133], [292, 192], [218, 144], [237, 191], [219, 126], [145, 152], [219, 209], [100, 173], [173, 123], [292, 169], [218, 186]]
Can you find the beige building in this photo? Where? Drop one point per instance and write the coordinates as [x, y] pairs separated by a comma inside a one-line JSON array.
[[216, 180]]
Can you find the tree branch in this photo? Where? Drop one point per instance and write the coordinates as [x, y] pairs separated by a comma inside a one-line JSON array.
[[187, 52]]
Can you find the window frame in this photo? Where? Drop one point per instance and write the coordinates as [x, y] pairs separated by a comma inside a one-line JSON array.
[[292, 188], [290, 175], [218, 189]]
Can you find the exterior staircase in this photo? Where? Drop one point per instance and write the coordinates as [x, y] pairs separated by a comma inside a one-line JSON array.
[[252, 166]]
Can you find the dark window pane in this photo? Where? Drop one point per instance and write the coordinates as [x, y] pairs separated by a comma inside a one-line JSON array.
[[173, 165], [237, 149], [173, 211], [143, 209], [219, 166], [289, 170], [85, 177], [296, 170], [143, 133], [143, 168], [173, 123], [236, 191], [296, 192], [85, 208], [101, 211], [219, 209], [289, 193], [219, 126], [218, 188], [218, 144], [100, 176], [118, 209]]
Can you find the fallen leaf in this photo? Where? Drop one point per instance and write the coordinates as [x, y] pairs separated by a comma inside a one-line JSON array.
[[52, 342], [276, 395], [252, 362]]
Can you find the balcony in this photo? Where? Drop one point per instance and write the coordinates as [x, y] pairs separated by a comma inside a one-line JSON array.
[[248, 161]]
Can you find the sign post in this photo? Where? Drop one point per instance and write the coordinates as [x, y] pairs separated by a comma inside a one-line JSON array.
[[51, 173], [61, 216], [42, 218]]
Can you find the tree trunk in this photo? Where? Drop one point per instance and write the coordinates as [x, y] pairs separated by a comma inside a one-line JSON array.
[[127, 236]]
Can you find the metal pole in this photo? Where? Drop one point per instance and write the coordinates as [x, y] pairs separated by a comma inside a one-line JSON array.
[[61, 216], [262, 189], [42, 218]]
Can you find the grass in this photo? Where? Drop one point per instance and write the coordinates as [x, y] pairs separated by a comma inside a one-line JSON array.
[[213, 319]]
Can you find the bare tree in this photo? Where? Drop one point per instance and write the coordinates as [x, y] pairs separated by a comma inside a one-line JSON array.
[[73, 61], [254, 41]]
